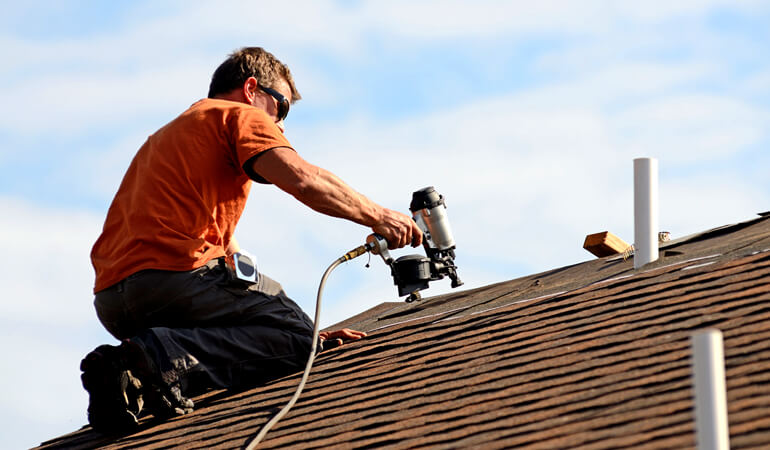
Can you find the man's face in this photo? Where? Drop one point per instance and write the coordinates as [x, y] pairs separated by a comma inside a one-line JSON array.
[[269, 104]]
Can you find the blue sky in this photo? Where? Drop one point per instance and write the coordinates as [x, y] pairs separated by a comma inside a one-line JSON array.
[[525, 116]]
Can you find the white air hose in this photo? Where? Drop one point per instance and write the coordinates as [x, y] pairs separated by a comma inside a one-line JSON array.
[[358, 251]]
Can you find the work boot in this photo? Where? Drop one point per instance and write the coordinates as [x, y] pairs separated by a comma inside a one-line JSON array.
[[115, 399], [161, 393], [166, 402], [123, 382]]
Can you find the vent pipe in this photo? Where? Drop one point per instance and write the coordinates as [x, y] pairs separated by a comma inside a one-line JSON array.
[[645, 211], [708, 368]]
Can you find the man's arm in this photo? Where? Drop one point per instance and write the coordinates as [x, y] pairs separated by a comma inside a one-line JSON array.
[[326, 193]]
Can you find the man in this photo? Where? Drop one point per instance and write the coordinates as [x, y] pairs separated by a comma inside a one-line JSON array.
[[164, 282]]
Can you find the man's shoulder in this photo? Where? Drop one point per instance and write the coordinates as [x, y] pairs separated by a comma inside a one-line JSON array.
[[220, 113]]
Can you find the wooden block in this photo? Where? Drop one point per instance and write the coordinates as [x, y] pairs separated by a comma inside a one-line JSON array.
[[604, 244]]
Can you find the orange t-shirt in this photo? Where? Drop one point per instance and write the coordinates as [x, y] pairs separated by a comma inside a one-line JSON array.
[[184, 192]]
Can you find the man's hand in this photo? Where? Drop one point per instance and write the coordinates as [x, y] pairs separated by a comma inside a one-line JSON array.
[[398, 229], [344, 334]]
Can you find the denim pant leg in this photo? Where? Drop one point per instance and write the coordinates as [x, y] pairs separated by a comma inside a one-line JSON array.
[[205, 330]]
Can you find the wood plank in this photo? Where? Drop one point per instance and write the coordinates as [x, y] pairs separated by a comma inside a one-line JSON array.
[[604, 244]]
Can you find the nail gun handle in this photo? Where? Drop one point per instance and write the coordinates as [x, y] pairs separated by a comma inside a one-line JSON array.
[[379, 246]]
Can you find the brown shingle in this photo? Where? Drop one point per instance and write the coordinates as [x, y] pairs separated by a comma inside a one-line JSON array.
[[594, 355]]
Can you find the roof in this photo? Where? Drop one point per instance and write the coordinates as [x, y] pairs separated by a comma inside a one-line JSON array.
[[593, 355]]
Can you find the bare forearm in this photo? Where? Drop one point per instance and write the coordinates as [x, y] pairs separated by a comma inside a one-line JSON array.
[[317, 188], [324, 192]]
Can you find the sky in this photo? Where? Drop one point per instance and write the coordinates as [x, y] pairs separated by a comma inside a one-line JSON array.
[[526, 116]]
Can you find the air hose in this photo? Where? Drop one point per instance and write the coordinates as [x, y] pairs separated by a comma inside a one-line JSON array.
[[358, 251]]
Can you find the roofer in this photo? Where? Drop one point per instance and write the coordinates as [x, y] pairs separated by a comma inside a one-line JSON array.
[[164, 277]]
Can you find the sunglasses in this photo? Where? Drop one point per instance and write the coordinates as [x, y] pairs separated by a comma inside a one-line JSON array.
[[283, 102]]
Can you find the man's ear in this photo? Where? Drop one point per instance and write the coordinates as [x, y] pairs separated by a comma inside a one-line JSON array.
[[250, 88]]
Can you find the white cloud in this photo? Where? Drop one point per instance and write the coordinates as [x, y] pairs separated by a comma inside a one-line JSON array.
[[92, 86], [457, 19], [704, 201], [685, 129], [758, 83], [42, 395], [71, 104], [441, 19], [48, 279], [618, 80], [50, 374], [48, 317], [659, 10]]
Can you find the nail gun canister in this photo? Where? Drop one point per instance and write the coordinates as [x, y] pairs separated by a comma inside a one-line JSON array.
[[429, 211]]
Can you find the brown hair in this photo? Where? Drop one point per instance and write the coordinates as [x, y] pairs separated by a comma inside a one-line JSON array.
[[250, 62]]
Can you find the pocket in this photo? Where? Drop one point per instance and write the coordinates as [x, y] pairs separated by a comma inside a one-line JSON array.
[[155, 296]]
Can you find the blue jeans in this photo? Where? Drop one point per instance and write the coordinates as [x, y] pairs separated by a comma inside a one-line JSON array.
[[205, 330]]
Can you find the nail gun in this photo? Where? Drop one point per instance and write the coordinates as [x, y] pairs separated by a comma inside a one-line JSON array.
[[411, 273]]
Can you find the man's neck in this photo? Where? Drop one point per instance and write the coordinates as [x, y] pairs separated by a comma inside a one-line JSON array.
[[234, 96]]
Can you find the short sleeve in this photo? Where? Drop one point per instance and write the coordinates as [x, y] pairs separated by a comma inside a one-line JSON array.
[[254, 132]]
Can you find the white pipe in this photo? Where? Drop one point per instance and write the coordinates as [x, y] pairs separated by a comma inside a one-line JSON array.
[[645, 211], [710, 394]]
